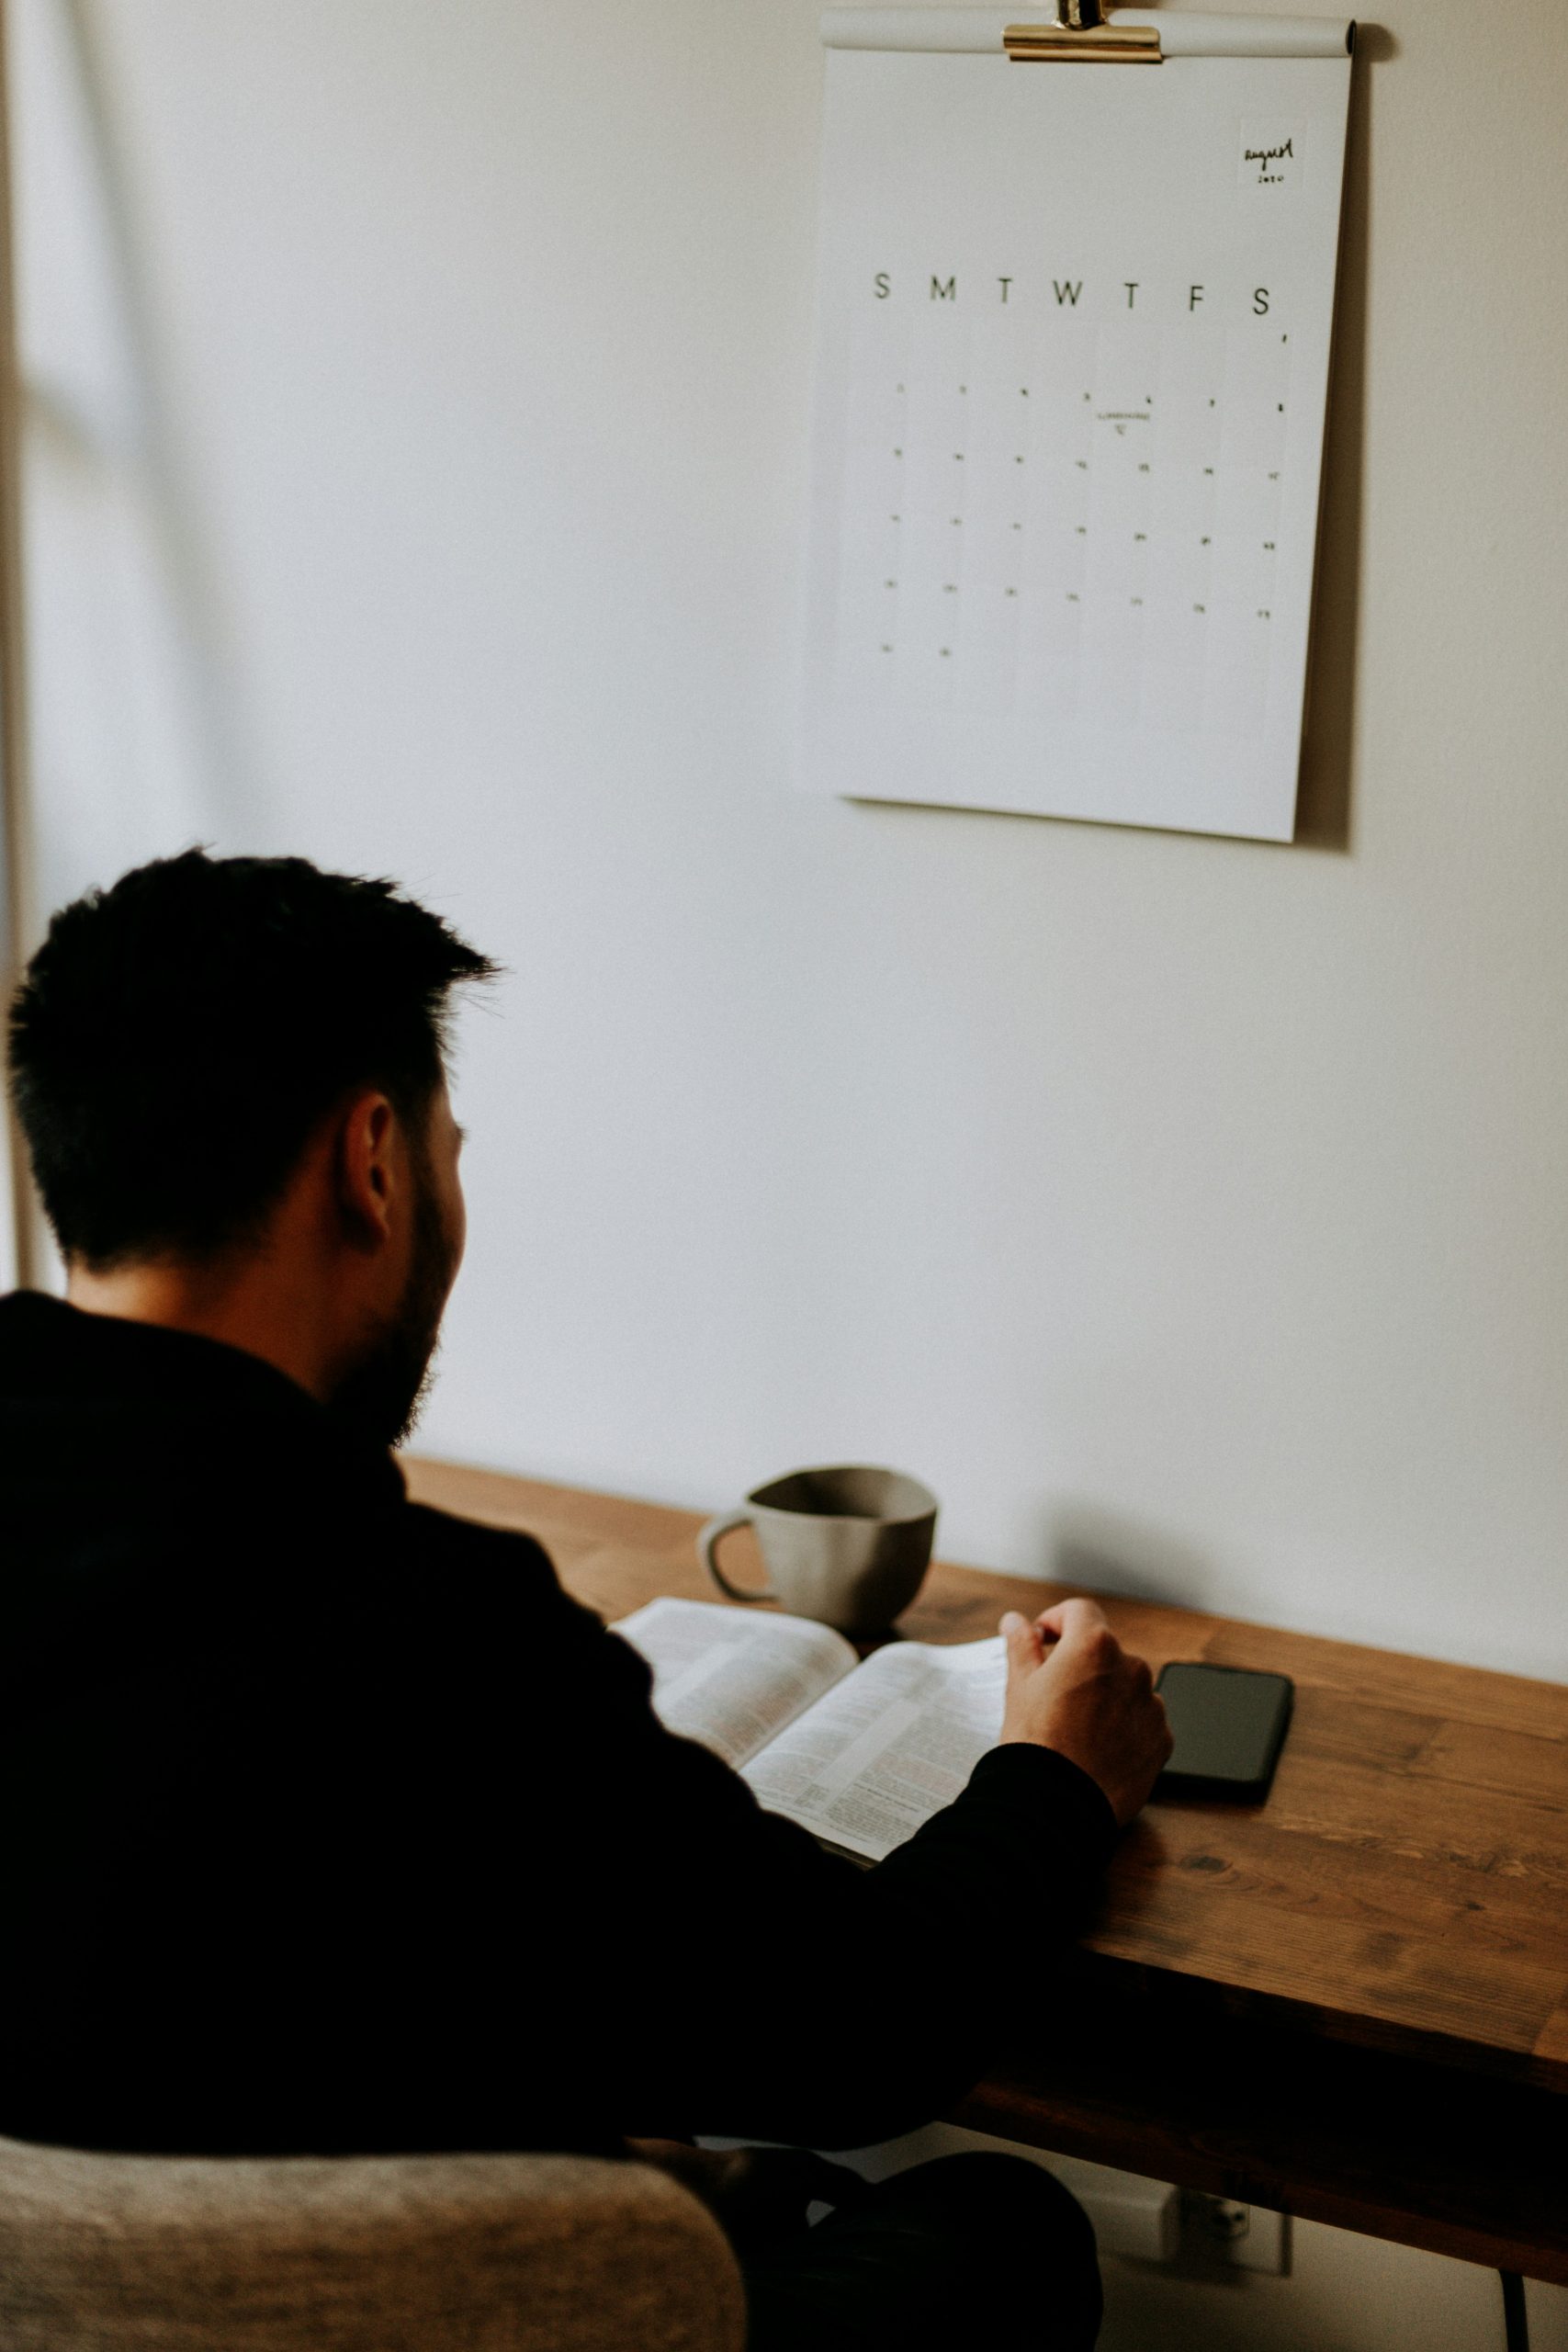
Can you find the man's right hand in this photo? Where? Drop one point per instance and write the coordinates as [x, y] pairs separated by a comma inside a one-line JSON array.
[[1071, 1686]]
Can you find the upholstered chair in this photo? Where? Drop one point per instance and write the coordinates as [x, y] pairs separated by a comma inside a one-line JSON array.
[[398, 2254]]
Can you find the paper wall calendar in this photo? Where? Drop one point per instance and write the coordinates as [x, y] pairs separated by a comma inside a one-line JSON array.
[[1074, 337]]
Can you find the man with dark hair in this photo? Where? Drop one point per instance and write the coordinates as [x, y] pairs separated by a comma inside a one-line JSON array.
[[178, 1052], [331, 1822]]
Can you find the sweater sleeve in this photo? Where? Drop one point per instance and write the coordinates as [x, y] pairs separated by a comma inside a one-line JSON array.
[[798, 1995]]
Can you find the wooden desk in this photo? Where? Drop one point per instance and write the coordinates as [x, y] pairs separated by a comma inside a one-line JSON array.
[[1351, 2004]]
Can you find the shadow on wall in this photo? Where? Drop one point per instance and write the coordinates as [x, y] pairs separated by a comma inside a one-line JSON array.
[[1096, 1549], [1323, 805]]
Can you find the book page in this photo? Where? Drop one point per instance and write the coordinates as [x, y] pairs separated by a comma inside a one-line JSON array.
[[733, 1678], [888, 1746]]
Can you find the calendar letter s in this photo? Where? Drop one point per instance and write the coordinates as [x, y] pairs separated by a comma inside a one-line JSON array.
[[883, 284], [1261, 301]]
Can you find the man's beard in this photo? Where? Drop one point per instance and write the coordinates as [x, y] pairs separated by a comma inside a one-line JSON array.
[[383, 1394]]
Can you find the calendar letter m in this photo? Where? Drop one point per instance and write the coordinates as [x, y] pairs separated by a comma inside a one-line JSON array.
[[944, 290]]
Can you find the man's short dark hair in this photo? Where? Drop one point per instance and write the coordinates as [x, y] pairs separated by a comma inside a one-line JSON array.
[[177, 1039]]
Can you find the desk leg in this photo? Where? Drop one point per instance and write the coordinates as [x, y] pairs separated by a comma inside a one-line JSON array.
[[1516, 2323]]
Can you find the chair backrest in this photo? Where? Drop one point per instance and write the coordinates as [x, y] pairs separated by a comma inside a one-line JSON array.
[[395, 2254]]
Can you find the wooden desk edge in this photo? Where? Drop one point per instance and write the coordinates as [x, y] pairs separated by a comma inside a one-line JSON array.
[[657, 1529], [592, 1534], [1276, 2176]]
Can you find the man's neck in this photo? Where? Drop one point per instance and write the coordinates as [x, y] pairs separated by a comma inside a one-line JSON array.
[[257, 1303]]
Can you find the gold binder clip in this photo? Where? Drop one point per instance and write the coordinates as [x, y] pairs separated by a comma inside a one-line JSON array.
[[1079, 35]]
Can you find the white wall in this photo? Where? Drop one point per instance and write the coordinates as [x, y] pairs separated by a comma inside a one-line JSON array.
[[1191, 1213]]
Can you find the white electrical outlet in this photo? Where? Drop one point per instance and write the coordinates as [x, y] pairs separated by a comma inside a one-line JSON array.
[[1243, 2237]]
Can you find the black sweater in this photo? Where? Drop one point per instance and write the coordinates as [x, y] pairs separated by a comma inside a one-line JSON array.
[[330, 1823]]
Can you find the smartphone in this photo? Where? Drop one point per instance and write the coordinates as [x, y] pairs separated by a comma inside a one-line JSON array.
[[1229, 1725]]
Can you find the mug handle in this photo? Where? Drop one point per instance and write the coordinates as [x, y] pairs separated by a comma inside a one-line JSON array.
[[707, 1552]]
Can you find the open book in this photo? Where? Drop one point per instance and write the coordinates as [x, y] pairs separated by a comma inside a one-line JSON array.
[[858, 1754]]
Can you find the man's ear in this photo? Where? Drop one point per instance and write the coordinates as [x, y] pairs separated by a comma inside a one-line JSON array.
[[367, 1169]]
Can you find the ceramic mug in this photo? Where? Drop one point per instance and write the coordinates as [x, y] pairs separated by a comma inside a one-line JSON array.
[[848, 1545]]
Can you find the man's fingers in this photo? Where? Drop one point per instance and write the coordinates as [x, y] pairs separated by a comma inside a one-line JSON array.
[[1072, 1687], [1070, 1620], [1030, 1644], [1025, 1649]]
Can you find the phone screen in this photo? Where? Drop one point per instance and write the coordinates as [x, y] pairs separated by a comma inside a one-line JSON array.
[[1228, 1724]]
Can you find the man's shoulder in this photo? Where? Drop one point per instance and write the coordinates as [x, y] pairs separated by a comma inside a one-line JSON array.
[[466, 1554], [502, 1576]]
